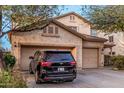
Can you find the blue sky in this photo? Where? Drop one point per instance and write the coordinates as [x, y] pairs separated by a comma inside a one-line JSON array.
[[70, 8], [67, 8]]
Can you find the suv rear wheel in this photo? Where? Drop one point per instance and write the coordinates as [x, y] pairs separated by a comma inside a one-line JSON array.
[[30, 70]]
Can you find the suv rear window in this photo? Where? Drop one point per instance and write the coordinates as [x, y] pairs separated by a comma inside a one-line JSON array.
[[59, 57]]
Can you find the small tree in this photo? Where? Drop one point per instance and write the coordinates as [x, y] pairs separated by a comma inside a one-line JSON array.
[[10, 61]]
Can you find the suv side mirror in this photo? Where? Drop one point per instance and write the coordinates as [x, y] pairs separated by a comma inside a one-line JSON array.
[[31, 57]]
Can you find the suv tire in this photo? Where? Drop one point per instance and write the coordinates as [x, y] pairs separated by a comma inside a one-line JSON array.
[[30, 70], [70, 80]]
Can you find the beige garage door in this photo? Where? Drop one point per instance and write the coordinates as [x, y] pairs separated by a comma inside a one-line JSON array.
[[29, 51], [90, 58]]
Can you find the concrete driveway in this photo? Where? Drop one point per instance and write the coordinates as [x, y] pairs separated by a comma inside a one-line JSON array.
[[90, 78]]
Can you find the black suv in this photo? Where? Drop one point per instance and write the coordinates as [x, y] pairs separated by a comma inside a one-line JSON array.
[[54, 66]]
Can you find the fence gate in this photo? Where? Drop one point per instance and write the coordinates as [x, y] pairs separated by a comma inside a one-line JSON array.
[[107, 60]]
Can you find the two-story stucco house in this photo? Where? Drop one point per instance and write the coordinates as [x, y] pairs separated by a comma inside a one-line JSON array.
[[70, 32]]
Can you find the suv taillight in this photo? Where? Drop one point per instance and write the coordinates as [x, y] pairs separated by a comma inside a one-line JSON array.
[[45, 64], [73, 63]]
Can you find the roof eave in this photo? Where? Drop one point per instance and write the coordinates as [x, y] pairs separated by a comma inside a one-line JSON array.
[[91, 40]]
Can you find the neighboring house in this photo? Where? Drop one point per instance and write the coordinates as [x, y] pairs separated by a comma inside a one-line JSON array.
[[118, 40], [68, 32]]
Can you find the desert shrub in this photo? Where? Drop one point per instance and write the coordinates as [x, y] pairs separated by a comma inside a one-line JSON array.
[[8, 80], [9, 60], [118, 61]]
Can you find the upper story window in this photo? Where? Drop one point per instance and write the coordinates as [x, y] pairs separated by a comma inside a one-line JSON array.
[[45, 30], [72, 18], [51, 31], [56, 30], [74, 28], [93, 33], [111, 39]]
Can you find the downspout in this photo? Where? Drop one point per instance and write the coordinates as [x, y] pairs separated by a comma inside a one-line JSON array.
[[82, 53]]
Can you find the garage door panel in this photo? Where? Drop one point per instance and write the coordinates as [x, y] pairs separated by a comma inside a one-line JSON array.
[[90, 58], [29, 51], [25, 53]]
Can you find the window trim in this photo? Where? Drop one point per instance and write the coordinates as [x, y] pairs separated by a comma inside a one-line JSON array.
[[111, 38]]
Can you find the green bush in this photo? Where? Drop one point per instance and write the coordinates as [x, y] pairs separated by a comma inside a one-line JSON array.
[[118, 61], [10, 60], [7, 80]]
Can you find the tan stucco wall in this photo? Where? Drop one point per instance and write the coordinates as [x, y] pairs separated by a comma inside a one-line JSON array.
[[99, 46], [65, 39], [35, 38], [83, 27]]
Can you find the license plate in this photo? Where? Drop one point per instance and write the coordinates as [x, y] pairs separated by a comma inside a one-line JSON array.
[[61, 69]]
